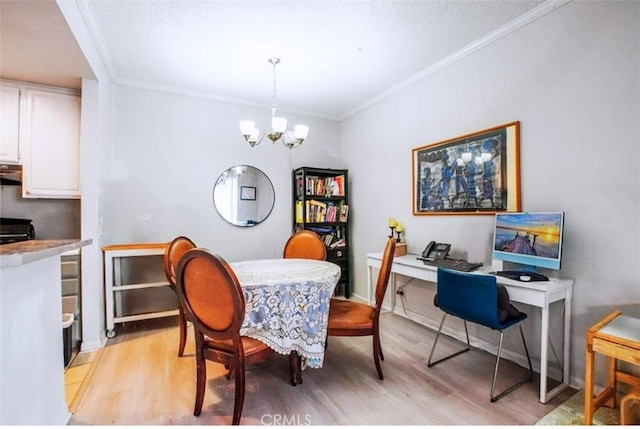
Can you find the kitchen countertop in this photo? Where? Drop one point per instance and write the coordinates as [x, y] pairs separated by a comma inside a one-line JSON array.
[[24, 252]]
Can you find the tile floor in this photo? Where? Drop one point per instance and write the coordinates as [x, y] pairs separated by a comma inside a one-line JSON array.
[[78, 371]]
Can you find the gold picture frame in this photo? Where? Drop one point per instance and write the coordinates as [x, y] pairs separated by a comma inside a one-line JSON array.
[[476, 173]]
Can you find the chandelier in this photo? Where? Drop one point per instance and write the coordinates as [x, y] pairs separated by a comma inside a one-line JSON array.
[[254, 136]]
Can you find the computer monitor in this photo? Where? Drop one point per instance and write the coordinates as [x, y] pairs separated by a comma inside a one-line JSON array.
[[530, 240]]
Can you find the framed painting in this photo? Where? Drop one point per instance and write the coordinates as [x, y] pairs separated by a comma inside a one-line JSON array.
[[477, 173], [248, 193]]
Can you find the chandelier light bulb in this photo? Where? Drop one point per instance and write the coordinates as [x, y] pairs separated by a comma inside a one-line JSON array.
[[301, 131], [279, 125], [247, 127]]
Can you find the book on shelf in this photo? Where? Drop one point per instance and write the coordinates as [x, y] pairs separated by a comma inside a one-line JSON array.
[[338, 243], [327, 186], [344, 213], [316, 211], [299, 211], [338, 187]]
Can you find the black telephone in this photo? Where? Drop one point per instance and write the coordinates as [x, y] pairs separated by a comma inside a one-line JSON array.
[[436, 250]]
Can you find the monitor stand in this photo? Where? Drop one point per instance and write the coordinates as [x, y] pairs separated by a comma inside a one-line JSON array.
[[515, 271]]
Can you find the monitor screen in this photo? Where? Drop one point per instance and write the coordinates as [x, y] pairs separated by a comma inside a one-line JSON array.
[[529, 239]]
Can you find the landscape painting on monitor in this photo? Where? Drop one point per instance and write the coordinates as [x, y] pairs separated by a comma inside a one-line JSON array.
[[534, 234], [477, 173]]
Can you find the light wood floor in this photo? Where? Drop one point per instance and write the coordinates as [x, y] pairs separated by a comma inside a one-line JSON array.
[[139, 380]]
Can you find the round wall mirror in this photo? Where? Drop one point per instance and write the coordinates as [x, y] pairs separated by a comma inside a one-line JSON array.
[[243, 195]]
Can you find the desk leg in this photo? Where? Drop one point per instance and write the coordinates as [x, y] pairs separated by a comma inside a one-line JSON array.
[[588, 386], [295, 368], [567, 337], [544, 345]]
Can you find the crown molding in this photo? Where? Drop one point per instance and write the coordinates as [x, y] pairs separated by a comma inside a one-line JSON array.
[[490, 38]]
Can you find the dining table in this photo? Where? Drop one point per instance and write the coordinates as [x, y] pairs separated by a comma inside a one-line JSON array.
[[287, 307]]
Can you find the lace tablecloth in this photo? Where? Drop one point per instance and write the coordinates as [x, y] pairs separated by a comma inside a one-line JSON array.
[[287, 304]]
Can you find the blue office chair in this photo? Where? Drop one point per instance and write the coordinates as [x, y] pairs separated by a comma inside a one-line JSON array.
[[474, 298]]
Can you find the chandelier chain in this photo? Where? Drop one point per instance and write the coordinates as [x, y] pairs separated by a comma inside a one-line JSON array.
[[274, 106]]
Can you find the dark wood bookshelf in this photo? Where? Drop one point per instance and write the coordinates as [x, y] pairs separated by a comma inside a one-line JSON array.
[[320, 198]]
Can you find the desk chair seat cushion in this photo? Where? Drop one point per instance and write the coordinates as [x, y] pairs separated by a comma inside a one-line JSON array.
[[346, 314]]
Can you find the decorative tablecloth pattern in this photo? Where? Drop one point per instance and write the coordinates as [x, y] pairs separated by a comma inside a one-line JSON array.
[[287, 304]]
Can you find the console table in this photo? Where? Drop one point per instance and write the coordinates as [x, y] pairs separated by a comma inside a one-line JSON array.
[[113, 285], [537, 294]]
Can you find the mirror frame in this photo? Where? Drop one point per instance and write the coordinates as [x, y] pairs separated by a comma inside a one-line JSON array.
[[247, 193]]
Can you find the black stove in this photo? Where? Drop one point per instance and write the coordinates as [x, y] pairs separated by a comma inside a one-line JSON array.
[[13, 230]]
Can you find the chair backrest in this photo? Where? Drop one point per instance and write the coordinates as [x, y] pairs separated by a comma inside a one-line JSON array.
[[176, 248], [305, 244], [210, 295], [472, 297], [384, 273]]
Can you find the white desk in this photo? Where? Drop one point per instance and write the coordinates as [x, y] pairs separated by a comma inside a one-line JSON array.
[[537, 294]]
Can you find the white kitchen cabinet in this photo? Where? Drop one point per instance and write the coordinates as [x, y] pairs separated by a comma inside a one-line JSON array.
[[9, 122], [50, 143]]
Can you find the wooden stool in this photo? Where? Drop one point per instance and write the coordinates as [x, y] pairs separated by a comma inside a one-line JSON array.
[[630, 408], [617, 337]]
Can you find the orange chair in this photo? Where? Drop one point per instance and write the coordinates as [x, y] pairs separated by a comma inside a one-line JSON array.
[[177, 247], [354, 319], [305, 244], [210, 294]]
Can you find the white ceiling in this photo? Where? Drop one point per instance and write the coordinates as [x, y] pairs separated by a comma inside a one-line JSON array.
[[336, 55]]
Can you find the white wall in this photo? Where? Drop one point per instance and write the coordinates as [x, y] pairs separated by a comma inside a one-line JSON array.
[[167, 153], [94, 135], [572, 79]]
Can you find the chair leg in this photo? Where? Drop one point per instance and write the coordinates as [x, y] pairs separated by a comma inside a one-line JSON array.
[[239, 399], [295, 368], [495, 372], [377, 353], [379, 345], [435, 342], [182, 325], [201, 378]]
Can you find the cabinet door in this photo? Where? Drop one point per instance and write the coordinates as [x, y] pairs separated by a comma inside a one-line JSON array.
[[9, 120], [50, 145]]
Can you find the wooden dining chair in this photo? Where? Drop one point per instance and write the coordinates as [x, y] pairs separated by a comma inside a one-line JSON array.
[[354, 319], [305, 244], [176, 248], [210, 294]]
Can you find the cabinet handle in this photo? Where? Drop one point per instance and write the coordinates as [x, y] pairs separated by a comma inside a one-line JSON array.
[[28, 192]]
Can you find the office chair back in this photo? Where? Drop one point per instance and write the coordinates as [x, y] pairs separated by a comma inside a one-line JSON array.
[[473, 297], [305, 244]]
